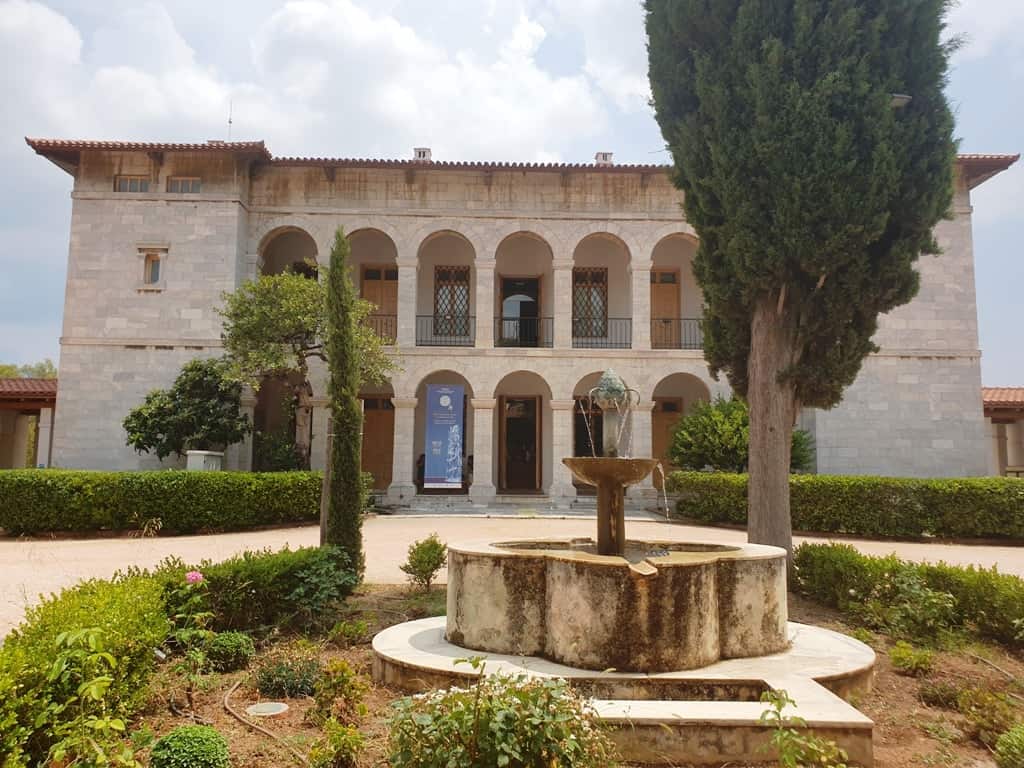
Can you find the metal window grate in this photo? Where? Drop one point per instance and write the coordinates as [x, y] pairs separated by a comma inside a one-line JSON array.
[[589, 302], [451, 301]]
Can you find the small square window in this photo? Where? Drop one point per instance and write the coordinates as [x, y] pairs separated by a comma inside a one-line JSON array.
[[151, 275], [184, 184]]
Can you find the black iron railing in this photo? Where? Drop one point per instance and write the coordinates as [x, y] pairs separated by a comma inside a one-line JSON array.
[[602, 332], [676, 333], [385, 326], [445, 330], [523, 331]]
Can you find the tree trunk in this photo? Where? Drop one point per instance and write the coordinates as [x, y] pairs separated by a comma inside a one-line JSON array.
[[772, 413], [303, 426]]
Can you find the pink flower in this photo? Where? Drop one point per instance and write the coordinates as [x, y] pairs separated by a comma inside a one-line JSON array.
[[193, 577]]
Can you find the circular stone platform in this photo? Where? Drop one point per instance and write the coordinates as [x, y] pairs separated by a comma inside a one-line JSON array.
[[698, 716], [663, 606]]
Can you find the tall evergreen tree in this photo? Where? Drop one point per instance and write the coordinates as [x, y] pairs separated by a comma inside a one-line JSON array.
[[812, 192], [343, 524]]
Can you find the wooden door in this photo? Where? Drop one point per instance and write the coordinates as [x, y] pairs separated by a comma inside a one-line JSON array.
[[379, 286], [667, 411], [519, 446], [666, 326], [378, 440]]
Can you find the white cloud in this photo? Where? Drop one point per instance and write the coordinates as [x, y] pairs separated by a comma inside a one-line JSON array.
[[988, 26]]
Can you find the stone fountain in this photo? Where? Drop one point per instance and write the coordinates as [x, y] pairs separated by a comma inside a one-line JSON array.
[[675, 641]]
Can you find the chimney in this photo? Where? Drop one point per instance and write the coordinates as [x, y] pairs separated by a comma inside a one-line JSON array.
[[421, 154], [603, 158]]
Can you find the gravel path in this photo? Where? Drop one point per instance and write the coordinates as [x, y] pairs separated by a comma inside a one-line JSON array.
[[29, 568]]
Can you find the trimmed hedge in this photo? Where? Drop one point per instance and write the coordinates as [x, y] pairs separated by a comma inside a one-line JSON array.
[[36, 501], [130, 614], [986, 601], [991, 507]]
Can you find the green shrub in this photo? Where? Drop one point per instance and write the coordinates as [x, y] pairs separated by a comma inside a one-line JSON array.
[[988, 714], [902, 604], [911, 661], [426, 557], [338, 695], [940, 693], [349, 632], [1010, 748], [34, 501], [191, 746], [229, 651], [498, 721], [289, 674], [868, 506], [130, 622], [259, 589], [339, 748], [984, 601]]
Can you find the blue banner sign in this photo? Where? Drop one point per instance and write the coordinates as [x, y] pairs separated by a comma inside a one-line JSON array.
[[443, 435]]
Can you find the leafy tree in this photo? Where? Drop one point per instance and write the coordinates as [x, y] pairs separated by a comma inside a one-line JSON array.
[[343, 523], [275, 325], [201, 411], [44, 369], [717, 435], [812, 194]]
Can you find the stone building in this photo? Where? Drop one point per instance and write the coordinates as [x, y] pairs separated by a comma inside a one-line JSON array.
[[518, 283], [1004, 415]]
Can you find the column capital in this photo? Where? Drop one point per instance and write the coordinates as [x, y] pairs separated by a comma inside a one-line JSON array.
[[644, 405], [407, 264], [641, 266], [485, 263], [404, 402], [318, 402], [557, 264], [483, 403], [563, 405]]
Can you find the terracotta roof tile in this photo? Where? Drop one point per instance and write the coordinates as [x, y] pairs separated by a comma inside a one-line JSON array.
[[45, 146], [1004, 397], [19, 388]]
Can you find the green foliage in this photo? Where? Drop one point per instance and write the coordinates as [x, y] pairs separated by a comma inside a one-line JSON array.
[[191, 633], [804, 185], [229, 651], [990, 507], [349, 632], [426, 557], [275, 452], [339, 748], [343, 525], [717, 435], [988, 714], [338, 695], [37, 501], [911, 661], [499, 721], [260, 589], [1010, 748], [44, 369], [939, 693], [796, 748], [984, 601], [201, 411], [191, 746], [61, 679], [288, 673]]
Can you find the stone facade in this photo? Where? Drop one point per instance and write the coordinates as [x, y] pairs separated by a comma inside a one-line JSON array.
[[915, 409]]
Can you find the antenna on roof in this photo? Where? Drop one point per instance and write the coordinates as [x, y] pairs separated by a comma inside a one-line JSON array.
[[231, 106]]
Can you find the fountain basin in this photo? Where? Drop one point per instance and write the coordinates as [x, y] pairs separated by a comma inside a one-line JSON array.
[[594, 470], [663, 606]]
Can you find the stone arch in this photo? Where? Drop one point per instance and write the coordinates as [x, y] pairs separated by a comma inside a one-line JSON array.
[[374, 269], [673, 396], [522, 457], [288, 247], [446, 289], [450, 377], [677, 302], [603, 308], [524, 291]]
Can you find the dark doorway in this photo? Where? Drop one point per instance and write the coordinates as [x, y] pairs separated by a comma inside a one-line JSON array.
[[520, 443], [586, 411], [519, 324]]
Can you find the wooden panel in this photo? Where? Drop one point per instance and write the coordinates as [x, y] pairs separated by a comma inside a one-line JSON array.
[[378, 440], [667, 411], [665, 307]]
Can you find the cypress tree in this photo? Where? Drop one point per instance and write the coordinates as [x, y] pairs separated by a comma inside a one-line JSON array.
[[812, 192], [343, 523]]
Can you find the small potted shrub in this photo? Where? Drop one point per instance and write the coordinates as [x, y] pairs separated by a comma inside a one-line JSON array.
[[191, 746]]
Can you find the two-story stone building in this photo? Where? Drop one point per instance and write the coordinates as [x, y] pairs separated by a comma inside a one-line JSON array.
[[518, 283]]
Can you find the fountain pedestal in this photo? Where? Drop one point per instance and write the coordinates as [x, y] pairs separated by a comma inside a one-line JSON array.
[[611, 477]]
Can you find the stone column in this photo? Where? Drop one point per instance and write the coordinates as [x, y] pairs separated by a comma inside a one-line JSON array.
[[403, 483], [238, 457], [562, 273], [1015, 444], [484, 306], [482, 491], [44, 432], [562, 434], [995, 464], [641, 305], [22, 427], [321, 413], [642, 446], [406, 336]]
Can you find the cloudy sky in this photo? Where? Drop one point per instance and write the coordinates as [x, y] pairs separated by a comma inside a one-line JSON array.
[[473, 79]]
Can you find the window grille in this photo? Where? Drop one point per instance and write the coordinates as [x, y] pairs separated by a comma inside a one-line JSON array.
[[451, 301], [590, 302], [184, 184], [131, 184]]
